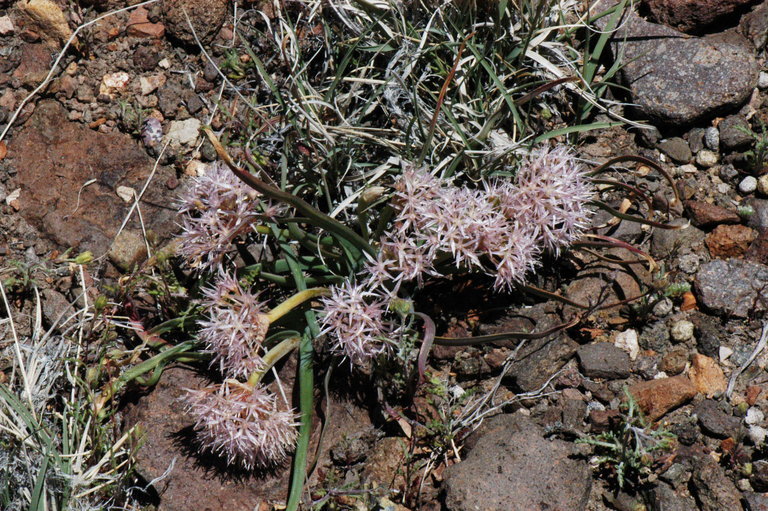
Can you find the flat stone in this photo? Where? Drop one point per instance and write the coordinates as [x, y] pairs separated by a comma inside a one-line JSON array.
[[206, 16], [730, 240], [677, 149], [758, 219], [754, 25], [694, 16], [713, 489], [183, 132], [716, 422], [140, 26], [657, 397], [667, 241], [706, 158], [731, 287], [735, 133], [54, 158], [678, 80], [34, 65], [706, 375], [670, 500], [533, 369], [128, 250], [511, 466], [758, 250], [756, 501], [704, 214], [604, 360], [674, 361]]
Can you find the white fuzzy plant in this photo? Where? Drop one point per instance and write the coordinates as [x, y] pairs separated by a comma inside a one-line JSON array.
[[46, 433]]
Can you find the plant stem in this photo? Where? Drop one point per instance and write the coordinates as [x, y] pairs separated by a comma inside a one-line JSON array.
[[272, 357], [294, 301]]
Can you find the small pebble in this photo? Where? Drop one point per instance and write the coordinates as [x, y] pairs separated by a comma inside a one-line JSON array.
[[754, 416], [723, 188], [712, 138], [724, 352], [664, 307], [727, 172], [748, 185], [762, 184], [627, 341], [682, 331], [688, 263], [706, 158], [757, 434], [762, 80]]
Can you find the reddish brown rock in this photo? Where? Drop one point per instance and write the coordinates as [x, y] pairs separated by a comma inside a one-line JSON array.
[[707, 376], [34, 66], [703, 214], [657, 397], [758, 250], [730, 241], [55, 160], [140, 26], [694, 16], [206, 16]]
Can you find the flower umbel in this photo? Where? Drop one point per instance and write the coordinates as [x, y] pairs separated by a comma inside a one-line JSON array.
[[243, 424], [235, 327], [354, 319]]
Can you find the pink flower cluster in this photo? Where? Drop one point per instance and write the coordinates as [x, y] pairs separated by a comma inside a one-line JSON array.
[[216, 210], [243, 424], [235, 327], [355, 319], [501, 229]]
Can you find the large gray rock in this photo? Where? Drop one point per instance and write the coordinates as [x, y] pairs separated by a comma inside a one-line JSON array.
[[677, 80], [715, 492], [733, 287], [512, 467]]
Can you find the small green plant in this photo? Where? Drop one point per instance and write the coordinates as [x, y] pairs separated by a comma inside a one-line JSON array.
[[628, 449], [757, 156]]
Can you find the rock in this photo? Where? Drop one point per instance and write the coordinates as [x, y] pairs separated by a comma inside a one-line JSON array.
[[533, 369], [748, 185], [677, 80], [206, 16], [730, 240], [151, 83], [34, 65], [756, 501], [735, 133], [695, 139], [754, 25], [754, 416], [604, 360], [694, 16], [677, 149], [706, 158], [140, 26], [758, 250], [627, 341], [511, 466], [6, 26], [48, 20], [113, 84], [383, 461], [762, 80], [762, 184], [56, 308], [757, 435], [731, 287], [712, 138], [682, 331], [705, 215], [54, 157], [674, 362], [758, 219], [655, 337], [668, 241], [183, 133], [657, 397], [128, 250], [708, 334], [669, 500], [706, 375], [716, 422], [146, 59], [713, 489]]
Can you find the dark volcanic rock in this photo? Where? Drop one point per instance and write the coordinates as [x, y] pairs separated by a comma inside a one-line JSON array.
[[713, 489], [677, 80], [667, 241], [716, 422], [754, 25], [677, 149], [733, 287], [735, 133], [604, 360], [694, 15], [56, 158], [511, 466]]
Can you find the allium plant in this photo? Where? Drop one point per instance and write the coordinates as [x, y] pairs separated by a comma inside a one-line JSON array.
[[217, 210], [235, 327], [242, 423]]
